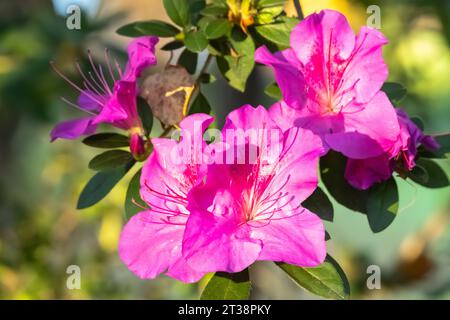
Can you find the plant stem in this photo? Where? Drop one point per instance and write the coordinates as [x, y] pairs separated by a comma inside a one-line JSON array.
[[298, 8], [197, 81]]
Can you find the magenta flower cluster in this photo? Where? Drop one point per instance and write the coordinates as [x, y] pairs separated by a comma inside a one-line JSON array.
[[220, 216]]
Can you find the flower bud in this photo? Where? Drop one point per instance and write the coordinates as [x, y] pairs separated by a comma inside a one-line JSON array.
[[139, 147]]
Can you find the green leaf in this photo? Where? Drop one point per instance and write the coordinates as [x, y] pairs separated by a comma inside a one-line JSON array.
[[419, 175], [195, 7], [327, 280], [238, 65], [200, 105], [278, 33], [207, 78], [228, 286], [382, 205], [215, 10], [107, 140], [110, 159], [188, 59], [217, 28], [395, 91], [101, 184], [436, 176], [146, 115], [319, 203], [273, 91], [332, 169], [173, 45], [418, 122], [444, 142], [195, 41], [268, 15], [444, 148], [150, 27], [133, 201], [178, 11], [270, 3]]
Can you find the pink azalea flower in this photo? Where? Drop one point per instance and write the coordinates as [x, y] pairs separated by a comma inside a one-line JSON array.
[[363, 173], [151, 241], [245, 212], [330, 80], [103, 104], [209, 216]]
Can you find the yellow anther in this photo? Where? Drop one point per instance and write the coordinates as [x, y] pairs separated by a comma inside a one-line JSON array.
[[188, 92]]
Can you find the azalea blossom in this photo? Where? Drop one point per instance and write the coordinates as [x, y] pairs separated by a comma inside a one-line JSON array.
[[363, 173], [245, 212], [116, 105], [214, 216], [151, 241], [330, 81]]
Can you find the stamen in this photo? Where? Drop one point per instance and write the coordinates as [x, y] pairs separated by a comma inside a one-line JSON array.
[[52, 64], [77, 106], [108, 63]]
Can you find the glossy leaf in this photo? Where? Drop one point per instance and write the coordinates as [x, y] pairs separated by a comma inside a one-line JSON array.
[[195, 8], [178, 11], [207, 78], [217, 28], [228, 286], [215, 10], [110, 159], [270, 3], [418, 122], [100, 185], [173, 45], [238, 65], [151, 27], [332, 169], [319, 203], [382, 205], [268, 15], [133, 202], [327, 280], [107, 140], [146, 115], [188, 59], [195, 41], [200, 105], [444, 148], [273, 91], [395, 91], [435, 175], [278, 33]]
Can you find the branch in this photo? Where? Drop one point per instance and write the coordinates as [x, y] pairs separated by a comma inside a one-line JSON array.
[[298, 8]]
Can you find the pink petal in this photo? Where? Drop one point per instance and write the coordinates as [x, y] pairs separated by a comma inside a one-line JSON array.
[[149, 247], [363, 173], [249, 118], [366, 69], [369, 132], [91, 101], [325, 34], [122, 106], [298, 239], [296, 171], [287, 74], [73, 129], [214, 242], [141, 54]]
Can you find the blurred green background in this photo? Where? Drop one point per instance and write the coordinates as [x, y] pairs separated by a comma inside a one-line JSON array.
[[41, 232]]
